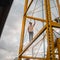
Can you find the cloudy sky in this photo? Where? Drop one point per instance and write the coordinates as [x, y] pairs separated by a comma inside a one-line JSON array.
[[9, 42]]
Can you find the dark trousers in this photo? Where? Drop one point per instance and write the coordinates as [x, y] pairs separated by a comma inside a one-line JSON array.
[[30, 36]]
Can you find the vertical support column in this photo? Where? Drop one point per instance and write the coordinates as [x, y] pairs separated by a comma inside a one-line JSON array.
[[23, 29], [49, 31], [58, 47], [58, 5]]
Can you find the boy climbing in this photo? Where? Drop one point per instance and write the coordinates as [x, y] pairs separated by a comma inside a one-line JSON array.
[[30, 30]]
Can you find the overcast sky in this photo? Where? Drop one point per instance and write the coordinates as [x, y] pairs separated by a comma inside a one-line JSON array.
[[9, 42]]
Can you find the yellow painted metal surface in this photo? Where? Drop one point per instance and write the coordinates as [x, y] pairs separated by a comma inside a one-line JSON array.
[[50, 52], [22, 31], [30, 57], [58, 47], [49, 32], [58, 5], [34, 18], [55, 24]]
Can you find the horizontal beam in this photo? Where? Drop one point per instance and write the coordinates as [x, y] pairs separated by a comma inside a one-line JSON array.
[[33, 40], [34, 18], [28, 7], [55, 24], [29, 57]]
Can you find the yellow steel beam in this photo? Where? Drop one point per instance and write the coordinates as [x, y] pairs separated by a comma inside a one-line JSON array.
[[30, 57], [50, 52], [58, 46], [58, 5], [35, 37], [28, 7], [23, 28], [39, 42], [55, 24], [35, 18]]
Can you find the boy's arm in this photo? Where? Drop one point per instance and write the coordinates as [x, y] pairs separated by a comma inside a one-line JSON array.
[[28, 28], [34, 23]]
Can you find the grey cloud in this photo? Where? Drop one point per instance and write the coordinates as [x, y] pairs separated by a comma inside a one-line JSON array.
[[9, 42], [5, 55]]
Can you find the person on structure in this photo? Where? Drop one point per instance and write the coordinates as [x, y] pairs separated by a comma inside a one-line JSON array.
[[57, 19], [30, 30], [57, 30]]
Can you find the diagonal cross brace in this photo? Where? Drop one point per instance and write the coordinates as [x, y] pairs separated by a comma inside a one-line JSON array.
[[28, 7], [33, 40]]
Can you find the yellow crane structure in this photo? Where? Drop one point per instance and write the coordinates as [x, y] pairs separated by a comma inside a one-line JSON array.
[[48, 27]]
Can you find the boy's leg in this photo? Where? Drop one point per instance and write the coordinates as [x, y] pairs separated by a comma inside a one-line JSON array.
[[30, 36]]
